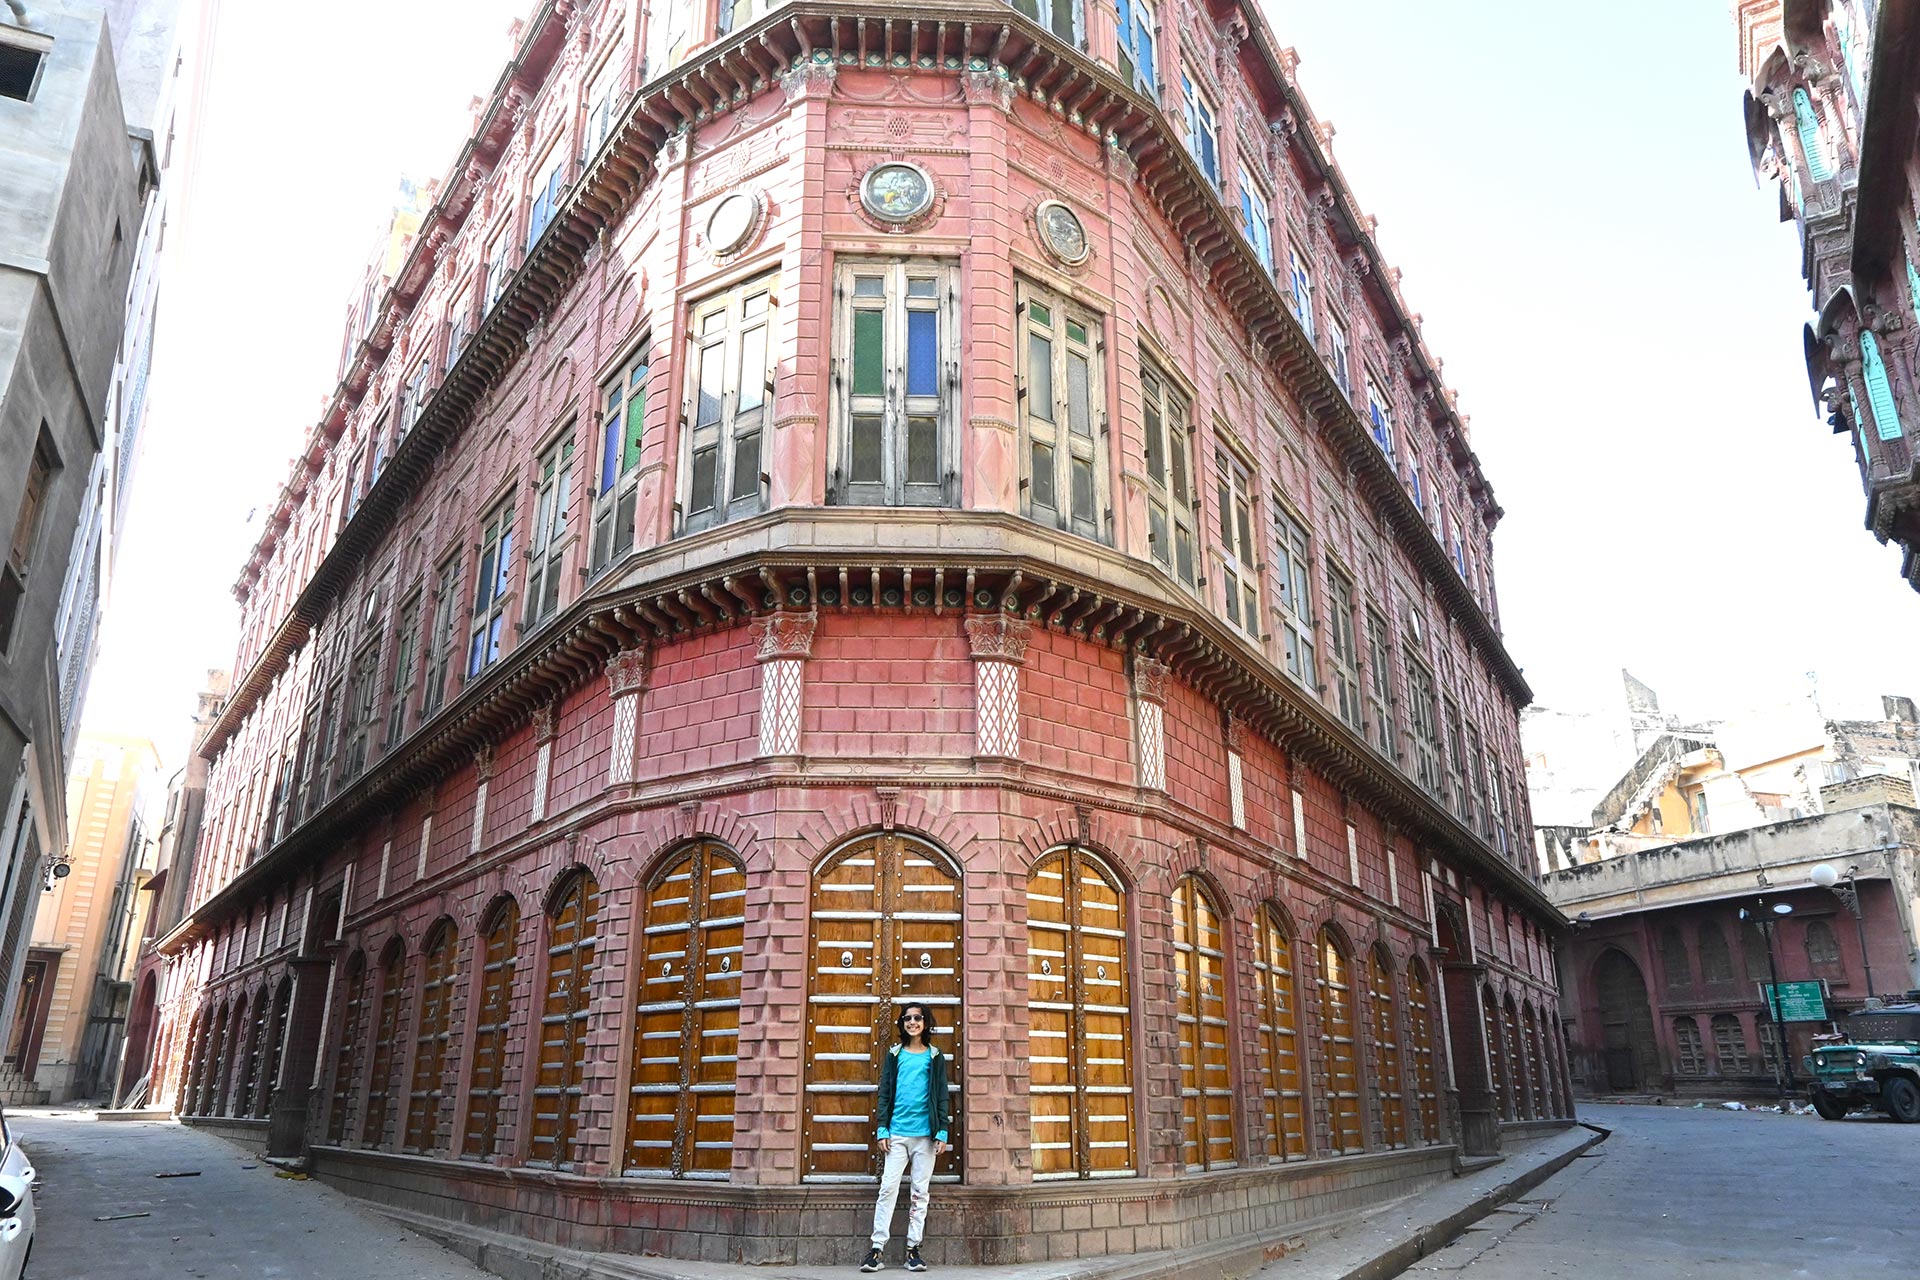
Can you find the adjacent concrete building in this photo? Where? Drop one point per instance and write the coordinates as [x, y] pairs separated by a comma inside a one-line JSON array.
[[854, 503], [1831, 118], [1661, 978], [97, 111]]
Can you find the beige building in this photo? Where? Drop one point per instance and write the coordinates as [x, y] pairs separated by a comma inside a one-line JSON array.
[[70, 1021]]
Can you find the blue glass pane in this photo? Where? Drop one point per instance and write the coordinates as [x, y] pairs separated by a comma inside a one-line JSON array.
[[1143, 52], [609, 451], [923, 353]]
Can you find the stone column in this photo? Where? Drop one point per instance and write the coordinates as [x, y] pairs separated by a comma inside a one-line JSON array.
[[626, 681], [546, 720], [785, 641], [990, 448], [999, 644], [1236, 771], [482, 775], [1150, 721]]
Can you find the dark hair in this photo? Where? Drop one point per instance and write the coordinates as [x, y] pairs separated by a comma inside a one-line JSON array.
[[926, 1027]]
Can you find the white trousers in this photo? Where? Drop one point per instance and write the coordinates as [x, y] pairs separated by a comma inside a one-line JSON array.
[[899, 1152]]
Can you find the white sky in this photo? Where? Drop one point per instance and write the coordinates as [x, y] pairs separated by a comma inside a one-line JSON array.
[[1565, 187]]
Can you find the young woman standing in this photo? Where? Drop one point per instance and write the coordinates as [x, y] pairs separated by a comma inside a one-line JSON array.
[[912, 1115]]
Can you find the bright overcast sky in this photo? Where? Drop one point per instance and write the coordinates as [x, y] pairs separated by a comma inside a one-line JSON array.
[[1568, 197]]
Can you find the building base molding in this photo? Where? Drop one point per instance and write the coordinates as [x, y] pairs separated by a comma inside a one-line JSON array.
[[475, 1208]]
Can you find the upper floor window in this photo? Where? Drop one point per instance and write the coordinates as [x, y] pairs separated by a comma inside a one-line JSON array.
[[1293, 564], [1848, 36], [623, 424], [459, 325], [1139, 46], [1337, 354], [1064, 443], [550, 178], [1239, 558], [1414, 487], [1422, 717], [547, 548], [1379, 413], [496, 271], [1457, 766], [601, 100], [383, 442], [490, 589], [41, 468], [1380, 708], [440, 637], [669, 33], [356, 477], [1343, 649], [895, 328], [1065, 18], [1300, 285], [729, 386], [1256, 222], [736, 14], [363, 688], [406, 639], [1202, 132], [1169, 474], [1807, 122], [413, 398]]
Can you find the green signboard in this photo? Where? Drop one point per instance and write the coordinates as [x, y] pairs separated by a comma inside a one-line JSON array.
[[1798, 1001]]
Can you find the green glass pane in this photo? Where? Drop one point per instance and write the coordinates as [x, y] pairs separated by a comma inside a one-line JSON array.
[[869, 353], [636, 428]]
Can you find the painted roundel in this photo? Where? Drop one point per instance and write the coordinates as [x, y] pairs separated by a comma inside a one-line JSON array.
[[896, 191], [1062, 232], [732, 222]]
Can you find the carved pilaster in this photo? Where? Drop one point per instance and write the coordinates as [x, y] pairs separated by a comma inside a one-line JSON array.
[[627, 672], [999, 636], [785, 641], [785, 633], [1150, 679], [1120, 163], [809, 80], [990, 88]]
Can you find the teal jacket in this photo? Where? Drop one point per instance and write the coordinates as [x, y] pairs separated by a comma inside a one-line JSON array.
[[938, 1109]]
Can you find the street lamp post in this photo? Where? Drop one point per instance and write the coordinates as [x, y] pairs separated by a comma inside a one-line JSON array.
[[1842, 886], [1762, 913]]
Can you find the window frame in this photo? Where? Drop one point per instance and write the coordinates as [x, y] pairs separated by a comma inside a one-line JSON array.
[[1203, 129], [551, 536], [1171, 492], [724, 323], [895, 405], [1256, 220], [620, 437], [1238, 551], [400, 687], [492, 589], [1381, 702], [1339, 342], [1300, 284], [1136, 34], [444, 623], [1343, 652], [1380, 412], [1045, 315]]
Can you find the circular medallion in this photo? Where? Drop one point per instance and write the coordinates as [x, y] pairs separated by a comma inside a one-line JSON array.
[[1061, 231], [732, 222], [896, 191]]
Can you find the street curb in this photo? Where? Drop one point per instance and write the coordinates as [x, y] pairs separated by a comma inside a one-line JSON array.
[[1435, 1236]]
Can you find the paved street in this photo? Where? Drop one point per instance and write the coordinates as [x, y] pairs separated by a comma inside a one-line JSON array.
[[1678, 1193], [236, 1219]]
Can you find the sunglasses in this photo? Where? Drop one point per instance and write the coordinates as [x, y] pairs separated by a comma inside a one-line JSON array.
[[912, 1017]]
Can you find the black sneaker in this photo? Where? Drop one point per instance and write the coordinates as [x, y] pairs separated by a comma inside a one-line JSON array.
[[872, 1261], [913, 1259]]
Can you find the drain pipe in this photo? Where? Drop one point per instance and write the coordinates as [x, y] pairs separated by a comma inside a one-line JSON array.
[[21, 18]]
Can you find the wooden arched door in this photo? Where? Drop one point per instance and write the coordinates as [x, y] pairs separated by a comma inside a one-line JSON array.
[[884, 929], [573, 922], [486, 1079], [1383, 1020], [1340, 1061], [1626, 1024], [1420, 1016], [427, 1098], [1200, 986], [686, 1026], [1281, 1092]]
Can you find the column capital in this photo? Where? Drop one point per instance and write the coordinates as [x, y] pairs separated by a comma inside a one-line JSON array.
[[627, 672], [546, 721], [784, 634], [1150, 679], [998, 637]]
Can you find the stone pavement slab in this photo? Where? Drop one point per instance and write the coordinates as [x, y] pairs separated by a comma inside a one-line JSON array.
[[235, 1220]]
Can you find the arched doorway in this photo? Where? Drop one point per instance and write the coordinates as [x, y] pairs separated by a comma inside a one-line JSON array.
[[1626, 1024], [139, 1035]]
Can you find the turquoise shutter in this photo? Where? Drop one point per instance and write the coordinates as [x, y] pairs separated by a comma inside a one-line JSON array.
[[1810, 141], [1886, 418], [1913, 285]]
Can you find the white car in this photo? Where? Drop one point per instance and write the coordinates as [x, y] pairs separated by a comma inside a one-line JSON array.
[[16, 1205]]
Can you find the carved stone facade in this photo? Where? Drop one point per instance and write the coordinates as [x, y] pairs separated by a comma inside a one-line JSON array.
[[829, 684]]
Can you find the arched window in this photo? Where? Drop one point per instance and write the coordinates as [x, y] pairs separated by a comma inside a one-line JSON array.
[[1815, 147], [1673, 958], [1341, 1062], [233, 1065], [1383, 1030], [195, 1067], [276, 1043], [1822, 947], [1420, 1042], [1518, 1066], [486, 1080], [1886, 417], [1716, 962], [346, 1065], [246, 1090], [687, 1025], [1497, 1059], [573, 922], [1536, 1062], [426, 1101], [1689, 1053], [1730, 1045], [1206, 1088], [1079, 1022], [1280, 1090], [386, 1030], [886, 930], [1753, 949]]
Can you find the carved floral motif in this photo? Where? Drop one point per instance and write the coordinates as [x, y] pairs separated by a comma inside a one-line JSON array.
[[999, 637], [785, 634], [1150, 679], [627, 672]]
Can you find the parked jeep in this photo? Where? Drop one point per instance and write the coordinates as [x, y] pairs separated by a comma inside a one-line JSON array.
[[1874, 1062]]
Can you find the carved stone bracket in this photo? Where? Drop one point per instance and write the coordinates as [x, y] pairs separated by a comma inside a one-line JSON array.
[[1150, 679], [889, 806], [809, 80], [627, 672], [999, 637], [1120, 162], [786, 634]]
